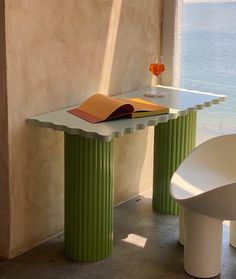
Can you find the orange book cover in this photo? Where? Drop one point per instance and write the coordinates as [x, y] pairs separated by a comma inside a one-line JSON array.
[[100, 108]]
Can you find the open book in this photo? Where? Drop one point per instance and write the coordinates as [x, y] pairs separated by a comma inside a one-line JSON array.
[[100, 108]]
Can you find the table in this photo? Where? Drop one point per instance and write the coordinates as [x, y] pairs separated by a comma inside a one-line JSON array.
[[88, 151]]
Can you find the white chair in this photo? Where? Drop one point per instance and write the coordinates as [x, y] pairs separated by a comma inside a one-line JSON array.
[[205, 185]]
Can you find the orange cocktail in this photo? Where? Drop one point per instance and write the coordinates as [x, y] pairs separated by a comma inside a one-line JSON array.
[[156, 69]]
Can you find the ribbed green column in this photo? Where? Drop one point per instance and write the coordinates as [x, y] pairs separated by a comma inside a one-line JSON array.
[[88, 198], [174, 140]]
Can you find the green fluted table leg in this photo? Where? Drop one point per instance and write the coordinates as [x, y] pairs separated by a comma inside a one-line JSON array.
[[88, 198], [174, 140]]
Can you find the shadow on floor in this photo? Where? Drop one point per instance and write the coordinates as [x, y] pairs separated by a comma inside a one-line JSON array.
[[145, 247]]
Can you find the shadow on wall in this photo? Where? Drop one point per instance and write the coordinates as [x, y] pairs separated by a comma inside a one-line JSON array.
[[131, 44], [60, 49], [38, 183], [133, 169], [66, 51]]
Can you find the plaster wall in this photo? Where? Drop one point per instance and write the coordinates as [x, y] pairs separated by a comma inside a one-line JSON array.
[[59, 53], [171, 40]]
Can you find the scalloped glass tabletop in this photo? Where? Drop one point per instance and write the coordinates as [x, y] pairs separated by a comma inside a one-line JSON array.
[[180, 102]]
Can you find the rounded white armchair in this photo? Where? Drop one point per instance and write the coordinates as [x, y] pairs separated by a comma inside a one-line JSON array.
[[205, 186]]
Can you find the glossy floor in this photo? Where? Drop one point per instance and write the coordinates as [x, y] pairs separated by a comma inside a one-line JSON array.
[[145, 247]]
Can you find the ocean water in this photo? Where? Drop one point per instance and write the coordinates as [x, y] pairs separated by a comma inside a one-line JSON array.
[[209, 61]]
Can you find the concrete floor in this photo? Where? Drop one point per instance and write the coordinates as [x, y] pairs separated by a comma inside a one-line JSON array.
[[145, 247]]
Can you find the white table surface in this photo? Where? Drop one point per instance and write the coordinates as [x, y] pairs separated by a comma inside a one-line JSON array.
[[180, 102]]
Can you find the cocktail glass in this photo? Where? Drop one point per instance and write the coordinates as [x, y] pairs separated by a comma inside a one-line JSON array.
[[156, 69]]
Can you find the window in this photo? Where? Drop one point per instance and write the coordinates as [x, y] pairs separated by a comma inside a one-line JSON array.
[[208, 61]]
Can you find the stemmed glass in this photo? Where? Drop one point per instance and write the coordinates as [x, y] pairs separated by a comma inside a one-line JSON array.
[[156, 69]]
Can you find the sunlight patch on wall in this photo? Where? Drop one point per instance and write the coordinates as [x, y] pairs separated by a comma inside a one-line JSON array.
[[110, 45]]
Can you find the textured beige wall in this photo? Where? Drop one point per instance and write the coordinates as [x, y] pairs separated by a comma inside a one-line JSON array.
[[58, 53], [4, 156], [172, 29], [133, 164]]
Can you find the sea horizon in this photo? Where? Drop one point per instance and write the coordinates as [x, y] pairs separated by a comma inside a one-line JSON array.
[[209, 62]]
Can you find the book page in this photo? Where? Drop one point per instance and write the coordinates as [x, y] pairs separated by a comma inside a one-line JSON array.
[[100, 107], [143, 105]]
